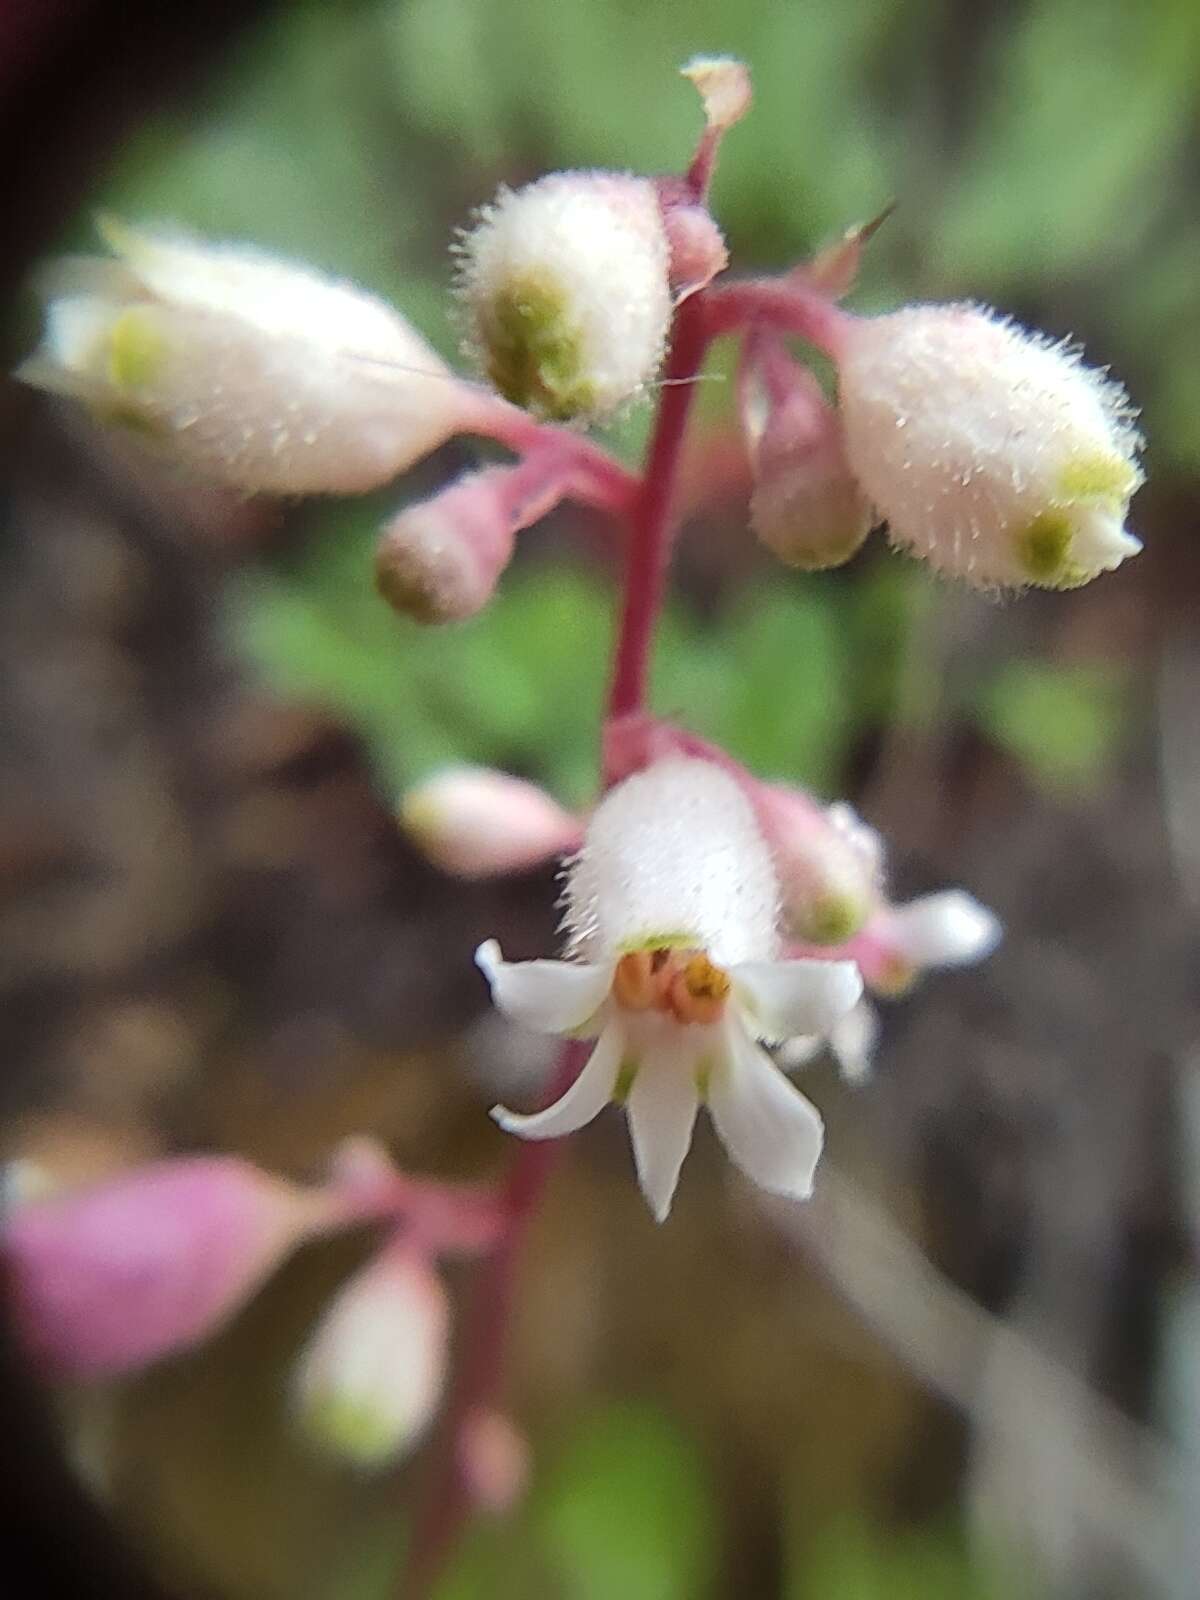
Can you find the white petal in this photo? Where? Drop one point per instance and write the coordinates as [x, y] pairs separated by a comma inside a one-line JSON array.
[[780, 999], [547, 996], [662, 1112], [768, 1127], [853, 1041], [950, 929], [585, 1099], [798, 1052]]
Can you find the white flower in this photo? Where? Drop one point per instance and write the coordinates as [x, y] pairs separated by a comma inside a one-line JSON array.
[[994, 454], [671, 909], [566, 286], [261, 373], [371, 1377]]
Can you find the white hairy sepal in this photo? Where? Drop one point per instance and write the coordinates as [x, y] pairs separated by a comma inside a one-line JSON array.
[[674, 855], [994, 454], [567, 292], [255, 371]]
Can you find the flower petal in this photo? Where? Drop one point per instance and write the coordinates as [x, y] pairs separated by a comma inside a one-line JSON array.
[[781, 999], [547, 996], [950, 929], [586, 1098], [662, 1112], [768, 1127]]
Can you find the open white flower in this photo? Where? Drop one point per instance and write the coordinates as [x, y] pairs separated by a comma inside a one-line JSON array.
[[672, 907]]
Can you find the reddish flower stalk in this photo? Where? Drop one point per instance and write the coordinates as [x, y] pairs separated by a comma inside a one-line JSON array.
[[480, 1366], [650, 523], [788, 304], [449, 1500]]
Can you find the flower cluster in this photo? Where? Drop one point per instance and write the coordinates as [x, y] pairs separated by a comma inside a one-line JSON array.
[[719, 928]]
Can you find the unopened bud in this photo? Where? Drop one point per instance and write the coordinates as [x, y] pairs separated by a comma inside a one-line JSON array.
[[475, 822], [723, 84], [371, 1377], [254, 371], [829, 880], [697, 246], [439, 560], [566, 287], [806, 505], [114, 1277], [992, 453], [493, 1459]]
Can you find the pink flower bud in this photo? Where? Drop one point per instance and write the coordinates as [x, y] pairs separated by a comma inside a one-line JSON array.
[[992, 453], [248, 369], [494, 1460], [829, 879], [806, 505], [441, 559], [109, 1279], [370, 1380], [698, 250], [565, 283], [475, 822]]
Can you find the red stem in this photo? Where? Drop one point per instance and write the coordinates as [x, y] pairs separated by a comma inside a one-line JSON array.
[[787, 304], [480, 1366], [480, 1363], [650, 523]]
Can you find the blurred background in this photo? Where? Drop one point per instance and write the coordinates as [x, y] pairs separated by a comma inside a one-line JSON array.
[[972, 1366]]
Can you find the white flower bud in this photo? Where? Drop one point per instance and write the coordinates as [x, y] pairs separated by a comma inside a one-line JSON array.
[[371, 1377], [674, 853], [475, 822], [994, 454], [258, 372], [566, 287]]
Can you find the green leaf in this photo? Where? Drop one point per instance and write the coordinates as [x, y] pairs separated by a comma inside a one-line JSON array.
[[1063, 723], [629, 1510]]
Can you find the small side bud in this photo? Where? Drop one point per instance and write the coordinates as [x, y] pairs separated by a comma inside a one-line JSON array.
[[494, 1460], [475, 822], [440, 559], [696, 243], [566, 288], [119, 1275], [246, 369], [992, 453], [806, 505], [370, 1380], [829, 881]]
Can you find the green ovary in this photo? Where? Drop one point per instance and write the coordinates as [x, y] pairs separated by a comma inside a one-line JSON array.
[[135, 351], [351, 1429], [833, 918], [1043, 548], [534, 354]]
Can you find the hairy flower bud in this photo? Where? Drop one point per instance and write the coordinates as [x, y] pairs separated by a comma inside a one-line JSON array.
[[994, 454], [475, 822], [806, 505], [566, 287], [371, 1377], [254, 371], [439, 560], [828, 875], [118, 1275]]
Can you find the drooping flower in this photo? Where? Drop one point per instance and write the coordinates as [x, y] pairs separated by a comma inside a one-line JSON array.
[[671, 910], [370, 1379], [993, 453], [251, 370], [566, 287], [897, 944], [124, 1272]]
